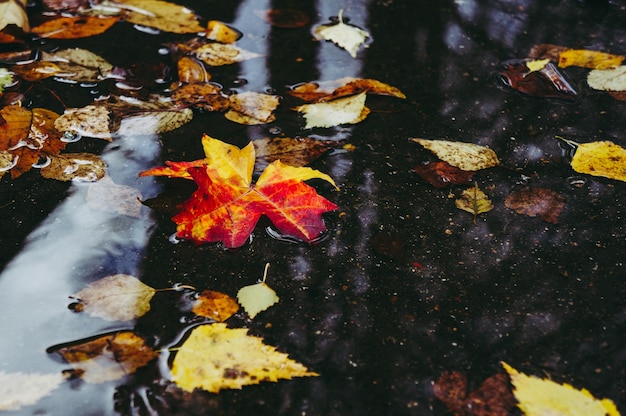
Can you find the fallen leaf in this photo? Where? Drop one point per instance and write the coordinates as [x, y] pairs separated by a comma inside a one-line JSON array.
[[586, 58], [256, 105], [75, 27], [299, 151], [328, 90], [474, 201], [106, 358], [6, 79], [348, 110], [215, 357], [119, 297], [538, 397], [36, 71], [465, 156], [218, 54], [77, 167], [13, 12], [603, 158], [7, 161], [215, 305], [240, 118], [441, 174], [191, 70], [161, 15], [153, 121], [221, 32], [541, 202], [108, 196], [80, 65], [23, 389], [90, 121], [546, 51], [608, 79], [206, 96], [537, 65], [258, 297], [346, 36], [285, 18], [539, 80], [226, 207]]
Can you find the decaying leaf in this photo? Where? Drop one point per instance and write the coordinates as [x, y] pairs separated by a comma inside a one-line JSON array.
[[153, 121], [107, 357], [78, 167], [90, 121], [119, 297], [603, 158], [7, 161], [215, 357], [474, 201], [465, 156], [36, 71], [13, 12], [492, 398], [285, 18], [540, 79], [258, 297], [23, 389], [202, 95], [108, 196], [215, 305], [221, 32], [255, 105], [162, 15], [226, 207], [538, 397], [75, 27], [299, 151], [347, 110], [613, 79], [80, 65], [541, 202], [329, 90], [441, 174], [190, 70], [218, 54], [344, 35]]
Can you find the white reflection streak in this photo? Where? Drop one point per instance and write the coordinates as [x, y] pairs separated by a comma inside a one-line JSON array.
[[254, 71], [64, 252]]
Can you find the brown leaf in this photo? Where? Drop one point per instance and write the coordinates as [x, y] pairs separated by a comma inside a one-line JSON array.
[[36, 71], [441, 174], [108, 357], [74, 27], [208, 97], [300, 151], [451, 389], [286, 18], [543, 202], [215, 305], [80, 167], [190, 70], [342, 87], [389, 245], [546, 82]]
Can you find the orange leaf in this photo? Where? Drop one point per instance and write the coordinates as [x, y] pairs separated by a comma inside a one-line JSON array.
[[215, 305], [74, 27]]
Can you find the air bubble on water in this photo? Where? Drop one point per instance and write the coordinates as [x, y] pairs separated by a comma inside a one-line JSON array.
[[88, 84], [41, 165], [576, 182], [240, 81], [148, 30], [69, 137], [275, 130], [163, 51], [174, 239]]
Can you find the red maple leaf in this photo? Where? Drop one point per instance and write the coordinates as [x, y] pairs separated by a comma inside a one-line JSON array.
[[227, 206]]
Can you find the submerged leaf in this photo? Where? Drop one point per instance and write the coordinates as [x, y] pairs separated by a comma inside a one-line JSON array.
[[23, 389], [108, 196], [541, 202], [215, 305], [474, 201], [348, 110], [441, 174], [536, 80], [78, 167], [215, 357], [344, 35], [465, 156], [299, 151], [538, 397]]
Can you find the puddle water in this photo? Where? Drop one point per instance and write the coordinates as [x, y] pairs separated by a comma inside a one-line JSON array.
[[405, 286]]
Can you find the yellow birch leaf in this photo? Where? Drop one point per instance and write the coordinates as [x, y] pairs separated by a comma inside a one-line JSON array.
[[348, 110], [258, 297], [23, 389], [345, 36], [537, 65], [602, 158], [589, 59], [118, 297], [474, 201], [161, 15], [538, 397], [465, 156], [215, 357], [613, 79]]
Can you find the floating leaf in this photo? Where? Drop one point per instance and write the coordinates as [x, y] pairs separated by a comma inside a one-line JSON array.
[[217, 54], [190, 70], [215, 357], [75, 27], [107, 357], [538, 397], [344, 35], [253, 104], [80, 65], [6, 79], [208, 97], [226, 207], [608, 79], [13, 12], [441, 174], [23, 389], [329, 90], [154, 121], [78, 167], [36, 71], [108, 196], [7, 161], [90, 121], [299, 151], [603, 158], [161, 15], [465, 156], [537, 65], [285, 18], [539, 80], [221, 32], [541, 202], [258, 297], [588, 59], [215, 305], [119, 297], [348, 110], [474, 201]]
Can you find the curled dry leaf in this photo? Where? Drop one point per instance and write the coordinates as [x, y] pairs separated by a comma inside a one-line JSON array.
[[75, 27], [215, 357], [78, 167], [217, 54], [90, 121], [441, 174], [536, 396], [118, 297], [465, 156], [108, 196], [474, 201], [222, 33], [106, 358], [300, 151], [533, 202], [162, 15], [23, 389], [346, 36], [215, 305], [348, 110]]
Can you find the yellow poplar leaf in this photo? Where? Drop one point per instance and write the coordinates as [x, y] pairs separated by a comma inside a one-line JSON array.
[[608, 79], [217, 54], [348, 110], [258, 297], [215, 357], [589, 59], [345, 36], [23, 389], [118, 297], [537, 65], [465, 156], [474, 201], [162, 15], [215, 305], [77, 167], [538, 397], [602, 158]]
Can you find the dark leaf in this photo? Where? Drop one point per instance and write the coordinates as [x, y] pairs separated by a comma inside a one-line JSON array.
[[541, 202], [546, 82], [441, 174]]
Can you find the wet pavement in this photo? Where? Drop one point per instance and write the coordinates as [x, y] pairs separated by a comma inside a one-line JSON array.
[[405, 286]]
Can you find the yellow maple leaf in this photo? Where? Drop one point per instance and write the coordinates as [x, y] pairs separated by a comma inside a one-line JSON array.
[[538, 397], [603, 158], [215, 357]]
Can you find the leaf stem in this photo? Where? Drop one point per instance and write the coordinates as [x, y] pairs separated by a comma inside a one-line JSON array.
[[267, 266], [570, 142]]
